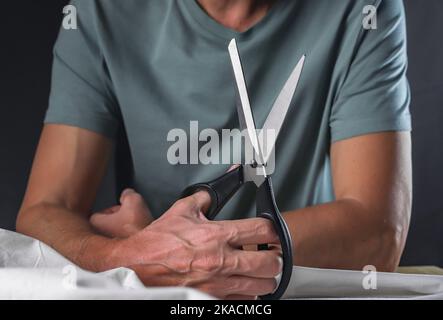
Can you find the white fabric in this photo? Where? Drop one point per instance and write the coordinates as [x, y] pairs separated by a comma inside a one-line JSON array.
[[31, 270]]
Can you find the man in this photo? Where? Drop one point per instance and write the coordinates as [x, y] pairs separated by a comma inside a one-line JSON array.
[[343, 177]]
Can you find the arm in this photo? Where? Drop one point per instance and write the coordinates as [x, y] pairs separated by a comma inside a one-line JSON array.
[[68, 167], [367, 223]]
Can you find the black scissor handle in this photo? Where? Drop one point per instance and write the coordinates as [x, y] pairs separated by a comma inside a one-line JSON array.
[[267, 208], [223, 188], [220, 190]]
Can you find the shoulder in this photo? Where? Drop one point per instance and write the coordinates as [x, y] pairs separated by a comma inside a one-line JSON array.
[[107, 24], [351, 11], [119, 5], [128, 11]]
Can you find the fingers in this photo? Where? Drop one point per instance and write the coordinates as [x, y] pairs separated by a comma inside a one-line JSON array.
[[240, 297], [257, 264], [104, 223], [239, 286], [232, 287], [123, 220], [252, 231], [133, 202], [251, 286]]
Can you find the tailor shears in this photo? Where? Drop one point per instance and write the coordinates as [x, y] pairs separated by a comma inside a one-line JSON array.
[[223, 188]]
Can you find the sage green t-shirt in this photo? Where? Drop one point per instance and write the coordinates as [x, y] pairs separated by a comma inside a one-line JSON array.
[[154, 65]]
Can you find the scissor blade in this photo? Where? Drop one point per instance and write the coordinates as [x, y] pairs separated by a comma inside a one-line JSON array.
[[277, 115], [245, 116]]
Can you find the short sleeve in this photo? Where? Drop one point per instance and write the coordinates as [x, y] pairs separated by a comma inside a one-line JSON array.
[[375, 94], [81, 89]]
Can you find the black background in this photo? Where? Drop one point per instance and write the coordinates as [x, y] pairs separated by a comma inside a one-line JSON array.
[[28, 30]]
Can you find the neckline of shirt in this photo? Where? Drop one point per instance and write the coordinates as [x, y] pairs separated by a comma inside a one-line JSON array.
[[223, 32]]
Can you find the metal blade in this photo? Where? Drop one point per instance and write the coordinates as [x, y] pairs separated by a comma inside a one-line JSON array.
[[245, 116], [277, 115]]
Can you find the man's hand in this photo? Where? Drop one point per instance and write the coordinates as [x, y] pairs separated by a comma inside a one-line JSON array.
[[121, 221], [183, 248]]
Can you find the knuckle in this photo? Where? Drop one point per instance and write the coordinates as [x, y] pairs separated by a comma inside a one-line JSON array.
[[203, 235], [231, 233], [134, 198], [276, 265], [210, 264], [227, 230], [192, 202], [214, 264], [184, 204], [212, 260], [212, 231], [264, 227]]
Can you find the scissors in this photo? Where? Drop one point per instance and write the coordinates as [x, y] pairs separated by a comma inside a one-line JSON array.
[[223, 188]]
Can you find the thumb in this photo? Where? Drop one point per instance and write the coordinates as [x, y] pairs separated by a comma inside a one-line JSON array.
[[202, 200], [132, 200], [233, 167], [125, 193]]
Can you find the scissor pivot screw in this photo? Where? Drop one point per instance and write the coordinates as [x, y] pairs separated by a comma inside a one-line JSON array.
[[255, 164]]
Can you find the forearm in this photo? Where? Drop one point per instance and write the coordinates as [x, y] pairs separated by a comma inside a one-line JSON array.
[[69, 233], [343, 235]]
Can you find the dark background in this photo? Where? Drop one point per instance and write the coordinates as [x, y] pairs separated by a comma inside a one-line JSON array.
[[29, 28]]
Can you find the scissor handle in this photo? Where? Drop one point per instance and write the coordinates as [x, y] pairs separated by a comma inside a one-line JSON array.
[[267, 208], [220, 190]]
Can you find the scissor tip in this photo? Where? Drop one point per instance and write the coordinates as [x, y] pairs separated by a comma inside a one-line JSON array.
[[301, 62]]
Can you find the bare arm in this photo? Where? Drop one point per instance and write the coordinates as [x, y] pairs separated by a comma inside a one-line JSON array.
[[368, 222], [68, 167]]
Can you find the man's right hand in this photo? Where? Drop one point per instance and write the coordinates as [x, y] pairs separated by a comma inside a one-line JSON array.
[[184, 248]]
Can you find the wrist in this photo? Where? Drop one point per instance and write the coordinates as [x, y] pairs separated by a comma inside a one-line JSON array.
[[97, 253], [101, 253]]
